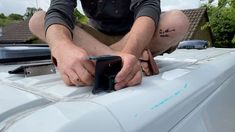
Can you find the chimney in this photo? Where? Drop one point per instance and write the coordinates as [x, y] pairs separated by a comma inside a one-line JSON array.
[[1, 31]]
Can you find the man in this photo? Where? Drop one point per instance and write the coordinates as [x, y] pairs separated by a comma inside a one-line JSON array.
[[117, 27]]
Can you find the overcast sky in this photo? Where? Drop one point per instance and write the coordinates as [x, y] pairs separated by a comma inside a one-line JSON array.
[[19, 6]]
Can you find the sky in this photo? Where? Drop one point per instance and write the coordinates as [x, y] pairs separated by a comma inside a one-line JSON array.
[[19, 6]]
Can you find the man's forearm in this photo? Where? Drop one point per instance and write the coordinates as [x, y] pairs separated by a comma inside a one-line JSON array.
[[56, 35], [140, 36]]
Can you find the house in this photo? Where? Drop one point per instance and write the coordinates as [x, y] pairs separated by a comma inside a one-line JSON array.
[[198, 18], [16, 33], [19, 32]]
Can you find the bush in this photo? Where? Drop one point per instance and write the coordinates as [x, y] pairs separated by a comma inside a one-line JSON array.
[[222, 23]]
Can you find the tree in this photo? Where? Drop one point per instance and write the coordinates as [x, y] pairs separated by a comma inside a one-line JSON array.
[[80, 17], [222, 22], [14, 16], [29, 12], [2, 16], [4, 20]]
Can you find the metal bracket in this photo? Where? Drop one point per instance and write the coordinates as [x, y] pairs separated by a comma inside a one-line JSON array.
[[34, 69]]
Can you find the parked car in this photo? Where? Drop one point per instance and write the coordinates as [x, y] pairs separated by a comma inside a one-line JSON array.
[[193, 44]]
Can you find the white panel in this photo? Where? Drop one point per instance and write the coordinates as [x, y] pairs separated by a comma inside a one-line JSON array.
[[69, 117], [215, 114], [11, 98], [158, 104]]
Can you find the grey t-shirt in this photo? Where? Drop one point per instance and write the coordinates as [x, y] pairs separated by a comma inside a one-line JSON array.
[[107, 16]]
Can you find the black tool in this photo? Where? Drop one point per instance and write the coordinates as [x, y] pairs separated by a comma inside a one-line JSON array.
[[106, 70]]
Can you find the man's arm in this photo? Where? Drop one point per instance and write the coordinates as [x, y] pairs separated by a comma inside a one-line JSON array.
[[59, 21], [147, 13], [140, 36], [71, 60], [61, 12], [149, 8]]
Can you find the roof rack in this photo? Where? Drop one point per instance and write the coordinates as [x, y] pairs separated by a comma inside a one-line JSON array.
[[14, 54]]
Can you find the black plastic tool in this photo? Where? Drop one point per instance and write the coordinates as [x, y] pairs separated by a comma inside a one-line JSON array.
[[106, 70]]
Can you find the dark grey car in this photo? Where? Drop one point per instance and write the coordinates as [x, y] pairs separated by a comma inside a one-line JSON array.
[[193, 44]]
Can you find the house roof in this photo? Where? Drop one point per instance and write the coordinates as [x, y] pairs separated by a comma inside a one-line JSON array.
[[17, 32], [195, 16]]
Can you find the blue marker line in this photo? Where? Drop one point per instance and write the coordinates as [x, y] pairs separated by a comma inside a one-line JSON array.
[[175, 94], [170, 97], [135, 115]]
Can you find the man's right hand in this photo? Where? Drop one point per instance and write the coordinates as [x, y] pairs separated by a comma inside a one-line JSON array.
[[72, 61], [73, 64]]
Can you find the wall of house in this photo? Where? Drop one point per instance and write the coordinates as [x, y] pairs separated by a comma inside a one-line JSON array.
[[204, 34]]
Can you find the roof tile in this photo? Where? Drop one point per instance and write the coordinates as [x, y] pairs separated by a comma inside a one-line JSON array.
[[17, 32], [194, 16]]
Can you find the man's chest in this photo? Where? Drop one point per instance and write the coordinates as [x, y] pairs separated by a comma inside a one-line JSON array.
[[106, 8]]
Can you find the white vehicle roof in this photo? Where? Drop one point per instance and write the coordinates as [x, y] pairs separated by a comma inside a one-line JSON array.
[[164, 102]]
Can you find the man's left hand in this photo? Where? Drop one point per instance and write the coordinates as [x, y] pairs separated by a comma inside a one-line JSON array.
[[130, 73]]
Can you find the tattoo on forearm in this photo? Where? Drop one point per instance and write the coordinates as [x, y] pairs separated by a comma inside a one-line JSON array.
[[165, 33]]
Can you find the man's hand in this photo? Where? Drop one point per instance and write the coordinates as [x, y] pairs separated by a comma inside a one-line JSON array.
[[73, 65], [72, 61], [130, 73], [138, 39]]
